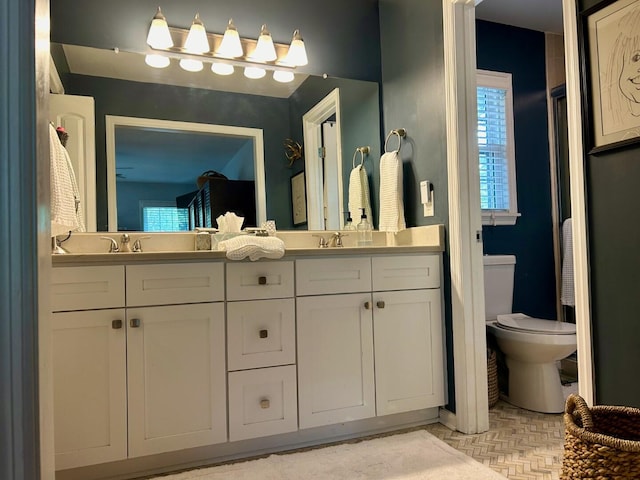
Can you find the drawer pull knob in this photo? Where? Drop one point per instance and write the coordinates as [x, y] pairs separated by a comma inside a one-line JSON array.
[[116, 324], [134, 322], [367, 305], [264, 333], [262, 280], [264, 403], [380, 304]]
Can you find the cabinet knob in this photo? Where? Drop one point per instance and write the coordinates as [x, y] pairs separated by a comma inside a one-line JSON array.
[[264, 403], [264, 333], [367, 305], [134, 322], [380, 304], [262, 280], [116, 324]]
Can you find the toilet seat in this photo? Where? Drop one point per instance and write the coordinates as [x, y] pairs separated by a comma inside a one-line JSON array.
[[523, 323]]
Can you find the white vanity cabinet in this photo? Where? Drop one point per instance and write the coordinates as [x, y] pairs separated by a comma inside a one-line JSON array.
[[261, 349]]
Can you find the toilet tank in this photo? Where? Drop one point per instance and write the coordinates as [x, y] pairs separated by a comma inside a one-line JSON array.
[[498, 284]]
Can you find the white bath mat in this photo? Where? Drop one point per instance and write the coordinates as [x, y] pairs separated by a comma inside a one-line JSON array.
[[415, 455]]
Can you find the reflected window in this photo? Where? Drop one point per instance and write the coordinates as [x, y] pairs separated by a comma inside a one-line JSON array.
[[163, 218]]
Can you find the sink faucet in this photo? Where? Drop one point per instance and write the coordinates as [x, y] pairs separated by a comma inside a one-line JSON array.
[[336, 239]]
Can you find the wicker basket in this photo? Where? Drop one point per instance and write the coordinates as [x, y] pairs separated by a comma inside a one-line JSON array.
[[492, 377], [602, 442]]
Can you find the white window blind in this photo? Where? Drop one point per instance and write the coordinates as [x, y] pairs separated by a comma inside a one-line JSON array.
[[496, 160], [165, 219]]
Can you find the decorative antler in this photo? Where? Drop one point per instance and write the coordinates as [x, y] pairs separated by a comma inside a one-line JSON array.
[[293, 150]]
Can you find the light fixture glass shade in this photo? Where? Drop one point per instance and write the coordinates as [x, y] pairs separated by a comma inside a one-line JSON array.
[[197, 41], [254, 72], [230, 47], [265, 51], [222, 68], [191, 65], [297, 54], [283, 76], [159, 36], [157, 61]]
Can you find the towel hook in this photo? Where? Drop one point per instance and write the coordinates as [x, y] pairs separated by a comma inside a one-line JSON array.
[[400, 133], [363, 151]]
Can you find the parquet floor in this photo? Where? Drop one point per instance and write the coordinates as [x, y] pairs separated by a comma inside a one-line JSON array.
[[521, 445]]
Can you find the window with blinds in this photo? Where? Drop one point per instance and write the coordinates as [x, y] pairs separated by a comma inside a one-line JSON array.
[[164, 219], [496, 157]]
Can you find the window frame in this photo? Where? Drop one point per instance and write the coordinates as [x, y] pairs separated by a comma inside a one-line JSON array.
[[502, 80]]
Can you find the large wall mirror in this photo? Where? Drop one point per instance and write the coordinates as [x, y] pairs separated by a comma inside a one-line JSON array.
[[196, 122]]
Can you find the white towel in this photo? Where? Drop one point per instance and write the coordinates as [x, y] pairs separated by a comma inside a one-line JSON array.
[[567, 296], [391, 204], [244, 246], [66, 214], [359, 194]]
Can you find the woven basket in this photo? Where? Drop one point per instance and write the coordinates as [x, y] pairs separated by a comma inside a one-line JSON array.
[[602, 442], [492, 377]]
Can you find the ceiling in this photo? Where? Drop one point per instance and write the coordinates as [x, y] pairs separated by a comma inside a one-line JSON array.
[[540, 15]]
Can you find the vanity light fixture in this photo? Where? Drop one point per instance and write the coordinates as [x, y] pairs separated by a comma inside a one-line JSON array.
[[224, 51]]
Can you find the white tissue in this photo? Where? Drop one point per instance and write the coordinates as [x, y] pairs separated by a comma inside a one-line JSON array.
[[229, 223]]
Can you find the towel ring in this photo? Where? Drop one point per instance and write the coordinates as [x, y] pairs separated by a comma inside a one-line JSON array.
[[400, 133], [363, 151]]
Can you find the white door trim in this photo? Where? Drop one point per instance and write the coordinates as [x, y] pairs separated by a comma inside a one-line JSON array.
[[465, 222], [578, 203]]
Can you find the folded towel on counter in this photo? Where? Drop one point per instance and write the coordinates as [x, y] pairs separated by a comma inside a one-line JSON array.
[[243, 246], [359, 194], [66, 214], [567, 294], [391, 203]]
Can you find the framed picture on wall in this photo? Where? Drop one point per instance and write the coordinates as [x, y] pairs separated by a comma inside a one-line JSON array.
[[612, 50], [298, 199]]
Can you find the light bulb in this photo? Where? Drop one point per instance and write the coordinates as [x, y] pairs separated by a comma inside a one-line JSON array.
[[254, 72], [191, 65], [283, 76], [222, 68], [297, 54], [230, 47], [159, 36], [197, 41], [265, 51], [157, 61]]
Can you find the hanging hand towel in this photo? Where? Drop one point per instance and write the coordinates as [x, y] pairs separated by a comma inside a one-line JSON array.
[[244, 246], [567, 295], [359, 193], [66, 214], [391, 204]]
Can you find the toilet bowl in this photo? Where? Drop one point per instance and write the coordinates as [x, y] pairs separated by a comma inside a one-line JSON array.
[[531, 346]]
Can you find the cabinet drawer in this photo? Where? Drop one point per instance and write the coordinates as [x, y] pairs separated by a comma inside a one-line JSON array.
[[320, 276], [406, 272], [85, 288], [261, 333], [174, 283], [247, 281], [262, 402]]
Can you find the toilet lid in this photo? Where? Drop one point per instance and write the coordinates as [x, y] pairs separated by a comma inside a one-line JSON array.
[[524, 323]]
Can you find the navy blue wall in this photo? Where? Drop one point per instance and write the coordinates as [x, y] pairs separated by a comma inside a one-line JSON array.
[[521, 52]]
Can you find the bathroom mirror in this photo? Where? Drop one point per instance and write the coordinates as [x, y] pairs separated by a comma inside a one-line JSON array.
[[127, 87]]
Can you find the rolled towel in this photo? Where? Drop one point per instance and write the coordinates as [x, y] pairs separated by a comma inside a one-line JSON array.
[[359, 193], [243, 246], [391, 203]]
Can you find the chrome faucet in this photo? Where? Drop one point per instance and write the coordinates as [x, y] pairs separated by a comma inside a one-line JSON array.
[[137, 245], [125, 243], [322, 243], [336, 239], [113, 246]]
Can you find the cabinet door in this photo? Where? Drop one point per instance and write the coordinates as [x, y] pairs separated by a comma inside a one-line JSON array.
[[408, 350], [89, 385], [176, 374], [335, 359]]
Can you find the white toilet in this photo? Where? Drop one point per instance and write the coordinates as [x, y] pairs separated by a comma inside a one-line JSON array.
[[531, 346]]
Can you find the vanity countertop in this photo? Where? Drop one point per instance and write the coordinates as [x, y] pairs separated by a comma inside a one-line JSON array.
[[171, 247]]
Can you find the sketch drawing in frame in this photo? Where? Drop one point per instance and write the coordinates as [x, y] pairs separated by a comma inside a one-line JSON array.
[[614, 58], [298, 199]]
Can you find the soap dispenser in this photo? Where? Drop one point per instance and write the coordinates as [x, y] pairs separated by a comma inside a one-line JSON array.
[[349, 225], [365, 236]]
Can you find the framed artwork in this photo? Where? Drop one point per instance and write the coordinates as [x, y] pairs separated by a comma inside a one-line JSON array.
[[612, 50], [298, 199]]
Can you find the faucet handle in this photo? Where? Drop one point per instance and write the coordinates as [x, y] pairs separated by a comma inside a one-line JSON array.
[[137, 245], [322, 243], [336, 238], [113, 247]]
